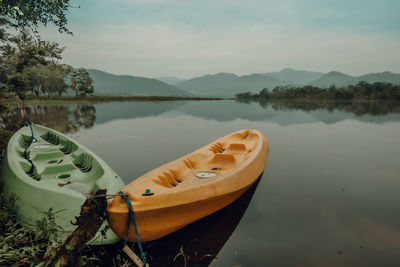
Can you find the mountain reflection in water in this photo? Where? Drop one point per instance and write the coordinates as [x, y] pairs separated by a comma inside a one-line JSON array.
[[72, 117]]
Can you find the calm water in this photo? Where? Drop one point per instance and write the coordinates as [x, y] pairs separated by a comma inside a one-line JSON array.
[[329, 196]]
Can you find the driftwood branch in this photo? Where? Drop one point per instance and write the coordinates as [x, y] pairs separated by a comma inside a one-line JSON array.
[[89, 221]]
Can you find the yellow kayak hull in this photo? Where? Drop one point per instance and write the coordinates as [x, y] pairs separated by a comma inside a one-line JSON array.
[[190, 188]]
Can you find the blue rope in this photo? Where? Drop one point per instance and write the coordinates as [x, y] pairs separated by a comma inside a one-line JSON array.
[[33, 140], [33, 136], [99, 208], [131, 216], [32, 165]]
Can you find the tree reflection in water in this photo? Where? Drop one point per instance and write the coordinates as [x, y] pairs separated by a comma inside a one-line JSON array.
[[373, 108], [63, 118]]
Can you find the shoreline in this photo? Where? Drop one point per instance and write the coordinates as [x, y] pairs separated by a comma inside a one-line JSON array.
[[98, 99], [316, 99]]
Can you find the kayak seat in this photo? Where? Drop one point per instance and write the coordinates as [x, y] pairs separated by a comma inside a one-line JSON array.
[[25, 140], [237, 148], [51, 137], [198, 160], [223, 159], [168, 179], [68, 147], [84, 162], [53, 155]]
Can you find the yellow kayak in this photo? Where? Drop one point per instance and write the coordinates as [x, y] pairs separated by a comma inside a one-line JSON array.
[[190, 188]]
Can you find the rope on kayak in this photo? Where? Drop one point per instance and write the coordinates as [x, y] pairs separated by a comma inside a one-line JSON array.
[[33, 135], [108, 196], [131, 216], [100, 209], [31, 141]]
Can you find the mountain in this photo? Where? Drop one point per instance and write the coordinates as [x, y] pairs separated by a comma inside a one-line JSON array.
[[334, 78], [228, 84], [170, 80], [340, 79], [386, 76], [127, 85], [299, 77]]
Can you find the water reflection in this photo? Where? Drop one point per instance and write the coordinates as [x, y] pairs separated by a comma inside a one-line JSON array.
[[202, 240], [63, 118], [70, 118], [374, 108], [282, 113]]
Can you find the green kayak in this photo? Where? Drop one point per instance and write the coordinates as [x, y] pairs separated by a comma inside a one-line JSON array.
[[43, 169]]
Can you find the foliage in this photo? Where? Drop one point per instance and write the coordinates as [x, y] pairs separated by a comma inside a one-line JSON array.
[[48, 79], [81, 82], [22, 244], [362, 90], [24, 58], [30, 13], [28, 65]]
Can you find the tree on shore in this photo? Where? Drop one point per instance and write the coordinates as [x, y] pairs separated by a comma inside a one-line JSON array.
[[48, 79], [362, 90], [24, 55], [81, 82]]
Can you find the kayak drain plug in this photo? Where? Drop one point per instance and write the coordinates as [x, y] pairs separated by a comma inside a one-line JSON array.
[[147, 193]]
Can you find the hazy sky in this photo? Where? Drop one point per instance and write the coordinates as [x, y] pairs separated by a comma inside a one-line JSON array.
[[186, 38]]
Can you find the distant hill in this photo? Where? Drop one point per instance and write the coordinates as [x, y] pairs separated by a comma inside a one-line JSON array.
[[228, 84], [334, 78], [170, 80], [126, 85], [386, 76], [299, 77], [340, 79]]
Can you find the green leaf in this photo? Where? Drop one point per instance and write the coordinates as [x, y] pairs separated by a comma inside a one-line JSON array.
[[18, 10]]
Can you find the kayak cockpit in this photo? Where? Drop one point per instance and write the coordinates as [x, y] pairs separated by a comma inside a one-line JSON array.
[[57, 161], [45, 171], [208, 165]]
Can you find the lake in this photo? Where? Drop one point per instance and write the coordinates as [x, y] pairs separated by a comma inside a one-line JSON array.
[[329, 196]]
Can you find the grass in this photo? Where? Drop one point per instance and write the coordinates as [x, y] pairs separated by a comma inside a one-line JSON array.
[[26, 245], [35, 245], [22, 245]]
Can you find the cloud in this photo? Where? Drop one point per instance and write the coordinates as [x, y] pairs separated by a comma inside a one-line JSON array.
[[186, 51]]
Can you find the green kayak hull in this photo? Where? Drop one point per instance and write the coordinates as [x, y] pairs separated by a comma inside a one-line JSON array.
[[51, 171]]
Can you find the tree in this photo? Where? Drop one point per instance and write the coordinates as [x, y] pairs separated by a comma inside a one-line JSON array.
[[264, 93], [48, 79], [30, 13], [21, 55], [81, 82], [60, 72]]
